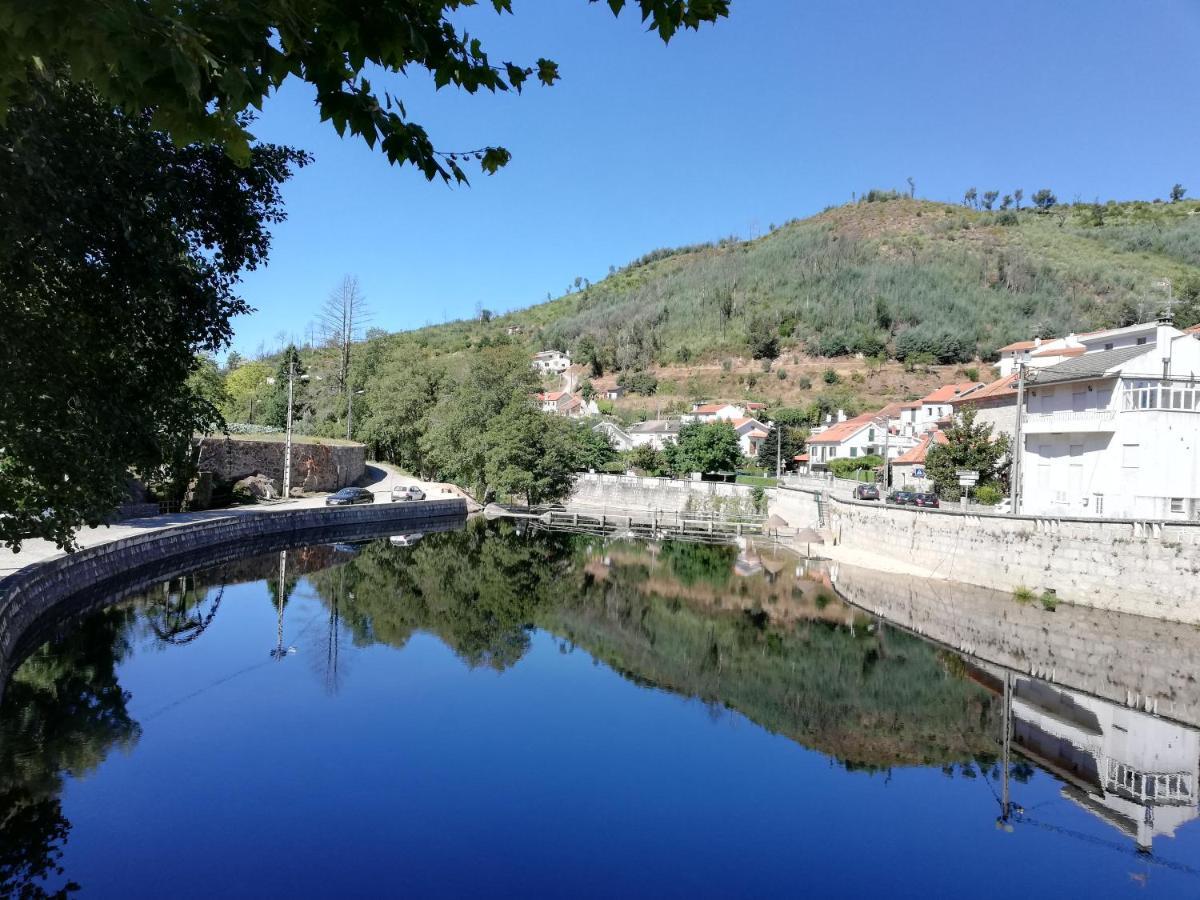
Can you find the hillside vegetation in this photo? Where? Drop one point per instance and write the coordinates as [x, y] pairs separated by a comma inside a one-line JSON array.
[[896, 277], [877, 300]]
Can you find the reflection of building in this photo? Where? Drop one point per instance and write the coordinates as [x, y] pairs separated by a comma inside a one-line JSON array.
[[1135, 771]]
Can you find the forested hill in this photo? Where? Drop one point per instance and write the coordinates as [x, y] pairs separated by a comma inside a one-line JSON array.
[[889, 275]]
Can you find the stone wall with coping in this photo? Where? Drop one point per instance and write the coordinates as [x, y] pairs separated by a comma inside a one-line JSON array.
[[48, 590], [315, 467], [1129, 660], [1143, 568], [631, 492]]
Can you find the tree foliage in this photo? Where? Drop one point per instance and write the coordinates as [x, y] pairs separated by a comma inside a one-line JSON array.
[[200, 66], [970, 447], [704, 447], [119, 255]]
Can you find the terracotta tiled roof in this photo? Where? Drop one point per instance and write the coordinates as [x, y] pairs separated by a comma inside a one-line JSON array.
[[1020, 345], [1005, 387], [801, 457], [1061, 351], [1195, 329], [755, 405], [948, 392], [758, 433], [891, 410], [551, 396], [843, 430], [710, 407], [916, 455]]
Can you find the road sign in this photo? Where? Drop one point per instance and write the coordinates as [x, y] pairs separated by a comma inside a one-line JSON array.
[[967, 476], [918, 471]]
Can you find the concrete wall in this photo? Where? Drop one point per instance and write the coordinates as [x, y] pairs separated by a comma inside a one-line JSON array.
[[49, 590], [1144, 568], [1128, 660], [664, 494], [315, 467]]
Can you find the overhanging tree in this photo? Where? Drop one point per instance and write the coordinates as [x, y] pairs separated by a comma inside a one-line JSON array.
[[704, 447], [119, 255], [201, 64]]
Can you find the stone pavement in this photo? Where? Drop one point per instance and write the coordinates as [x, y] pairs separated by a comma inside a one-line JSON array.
[[379, 477]]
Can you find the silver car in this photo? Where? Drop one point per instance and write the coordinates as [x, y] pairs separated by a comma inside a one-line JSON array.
[[407, 492]]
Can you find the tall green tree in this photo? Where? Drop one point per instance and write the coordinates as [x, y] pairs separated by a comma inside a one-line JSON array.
[[971, 446], [119, 257], [400, 402], [704, 447], [201, 65]]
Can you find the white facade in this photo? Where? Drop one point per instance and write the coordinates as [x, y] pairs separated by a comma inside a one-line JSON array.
[[553, 362], [1123, 443], [655, 433]]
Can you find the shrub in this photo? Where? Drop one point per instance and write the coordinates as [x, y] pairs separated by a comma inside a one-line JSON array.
[[804, 383], [781, 374], [843, 468], [972, 373], [684, 354], [766, 365], [988, 494], [1023, 594], [638, 383], [831, 377], [1049, 601], [726, 365]]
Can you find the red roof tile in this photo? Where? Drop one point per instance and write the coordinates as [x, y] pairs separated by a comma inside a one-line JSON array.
[[1062, 351], [1020, 345], [843, 430], [1004, 387], [948, 392], [916, 455]]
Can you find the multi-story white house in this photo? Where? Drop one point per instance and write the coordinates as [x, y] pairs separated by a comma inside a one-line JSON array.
[[553, 362], [1041, 353], [936, 406], [1116, 433], [859, 436]]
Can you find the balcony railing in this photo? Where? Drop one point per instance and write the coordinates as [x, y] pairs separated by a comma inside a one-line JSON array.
[[1070, 421]]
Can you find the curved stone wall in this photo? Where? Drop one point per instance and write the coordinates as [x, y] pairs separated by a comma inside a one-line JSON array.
[[315, 467], [50, 591]]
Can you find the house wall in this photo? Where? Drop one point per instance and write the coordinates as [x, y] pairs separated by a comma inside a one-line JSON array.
[[863, 442]]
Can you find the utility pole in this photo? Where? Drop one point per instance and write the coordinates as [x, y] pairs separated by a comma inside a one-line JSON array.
[[778, 451], [349, 407], [1015, 487], [287, 442]]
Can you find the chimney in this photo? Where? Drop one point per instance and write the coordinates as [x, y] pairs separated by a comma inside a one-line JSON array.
[[1037, 342], [841, 415], [1164, 334]]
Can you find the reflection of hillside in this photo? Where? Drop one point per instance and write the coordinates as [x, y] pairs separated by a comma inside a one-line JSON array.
[[775, 645]]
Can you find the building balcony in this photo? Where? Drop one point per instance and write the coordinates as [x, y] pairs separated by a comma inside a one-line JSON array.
[[1090, 420]]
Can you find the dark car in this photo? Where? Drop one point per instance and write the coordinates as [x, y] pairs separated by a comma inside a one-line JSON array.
[[928, 501], [866, 492], [350, 496], [901, 498]]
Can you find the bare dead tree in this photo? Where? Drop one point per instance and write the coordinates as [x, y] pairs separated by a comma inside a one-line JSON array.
[[341, 320]]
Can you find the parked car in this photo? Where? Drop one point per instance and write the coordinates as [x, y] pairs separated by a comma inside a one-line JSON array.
[[927, 500], [405, 540], [901, 498], [349, 497], [866, 492], [407, 492]]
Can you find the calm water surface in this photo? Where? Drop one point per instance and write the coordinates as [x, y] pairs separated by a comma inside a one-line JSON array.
[[488, 712]]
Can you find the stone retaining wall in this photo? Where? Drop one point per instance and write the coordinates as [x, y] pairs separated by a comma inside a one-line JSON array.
[[50, 589], [315, 467], [1144, 568], [1129, 660], [630, 492]]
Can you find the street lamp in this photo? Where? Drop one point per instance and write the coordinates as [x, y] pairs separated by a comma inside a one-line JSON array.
[[287, 442]]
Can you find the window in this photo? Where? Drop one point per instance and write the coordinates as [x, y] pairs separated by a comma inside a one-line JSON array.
[[1177, 504], [870, 435], [1108, 346], [1141, 341], [1129, 456], [1098, 505], [1079, 401], [853, 452]]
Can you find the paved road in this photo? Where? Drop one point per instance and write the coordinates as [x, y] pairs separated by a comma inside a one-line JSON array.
[[379, 477]]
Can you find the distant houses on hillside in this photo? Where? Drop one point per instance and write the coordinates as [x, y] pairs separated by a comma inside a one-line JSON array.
[[551, 362]]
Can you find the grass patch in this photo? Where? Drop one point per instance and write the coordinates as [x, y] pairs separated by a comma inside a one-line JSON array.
[[757, 480], [1023, 594], [1049, 601]]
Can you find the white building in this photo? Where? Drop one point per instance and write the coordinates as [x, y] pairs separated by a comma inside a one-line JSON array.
[[908, 469], [1135, 771], [656, 433], [860, 436], [552, 362], [713, 412], [1041, 353], [937, 406], [1116, 433], [995, 404]]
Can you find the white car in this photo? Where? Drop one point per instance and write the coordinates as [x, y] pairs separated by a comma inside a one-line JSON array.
[[407, 492], [405, 540]]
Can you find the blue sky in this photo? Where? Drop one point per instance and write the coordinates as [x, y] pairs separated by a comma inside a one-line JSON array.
[[786, 107]]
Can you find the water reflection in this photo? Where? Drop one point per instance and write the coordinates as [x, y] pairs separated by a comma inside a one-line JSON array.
[[742, 628]]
